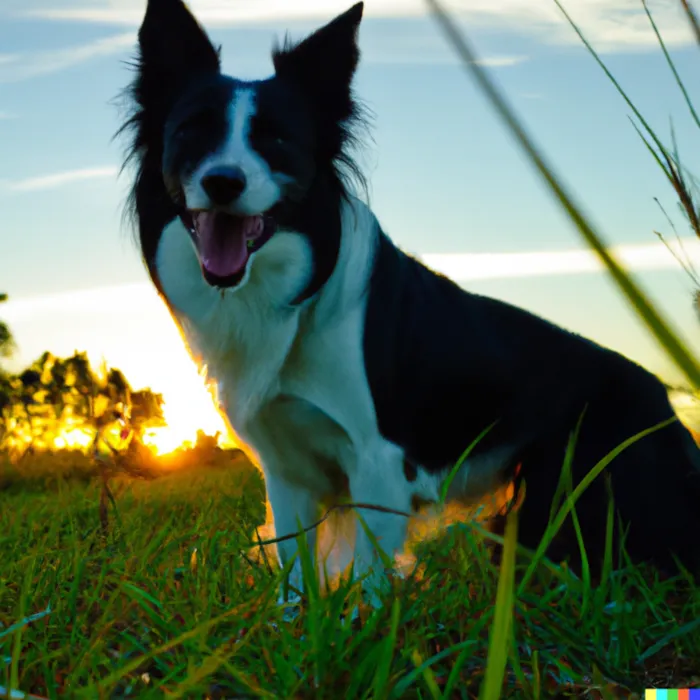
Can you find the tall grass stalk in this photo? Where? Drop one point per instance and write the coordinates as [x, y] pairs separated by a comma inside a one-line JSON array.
[[655, 323], [659, 328]]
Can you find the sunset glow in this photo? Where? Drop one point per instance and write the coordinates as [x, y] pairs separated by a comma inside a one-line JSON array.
[[183, 422], [189, 412], [162, 364], [73, 438]]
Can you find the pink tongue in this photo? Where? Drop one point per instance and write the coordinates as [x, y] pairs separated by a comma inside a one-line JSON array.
[[223, 241]]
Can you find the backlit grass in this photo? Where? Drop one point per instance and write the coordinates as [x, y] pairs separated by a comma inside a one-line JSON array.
[[170, 603]]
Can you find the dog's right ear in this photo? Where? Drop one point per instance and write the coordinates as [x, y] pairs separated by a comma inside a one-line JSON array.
[[173, 47]]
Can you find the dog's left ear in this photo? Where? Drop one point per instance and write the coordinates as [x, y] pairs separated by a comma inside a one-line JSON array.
[[324, 63]]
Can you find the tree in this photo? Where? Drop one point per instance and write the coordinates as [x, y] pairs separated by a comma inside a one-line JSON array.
[[54, 395], [7, 343]]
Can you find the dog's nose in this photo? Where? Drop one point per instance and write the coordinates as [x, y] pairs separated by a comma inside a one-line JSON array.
[[224, 184]]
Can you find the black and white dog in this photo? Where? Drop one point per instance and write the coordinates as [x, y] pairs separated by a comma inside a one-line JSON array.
[[347, 367]]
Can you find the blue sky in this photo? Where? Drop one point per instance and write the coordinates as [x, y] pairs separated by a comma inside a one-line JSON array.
[[447, 180]]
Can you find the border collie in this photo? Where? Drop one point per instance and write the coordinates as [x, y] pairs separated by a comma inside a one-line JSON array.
[[347, 368]]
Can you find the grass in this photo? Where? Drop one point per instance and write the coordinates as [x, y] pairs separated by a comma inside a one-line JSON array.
[[170, 603]]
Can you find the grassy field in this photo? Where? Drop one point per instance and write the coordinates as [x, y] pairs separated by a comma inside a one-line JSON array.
[[169, 601], [158, 593]]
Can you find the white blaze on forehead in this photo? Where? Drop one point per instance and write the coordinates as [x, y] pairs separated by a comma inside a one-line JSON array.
[[241, 112], [263, 187]]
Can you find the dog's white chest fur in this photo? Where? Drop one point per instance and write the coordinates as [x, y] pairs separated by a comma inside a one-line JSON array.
[[285, 374]]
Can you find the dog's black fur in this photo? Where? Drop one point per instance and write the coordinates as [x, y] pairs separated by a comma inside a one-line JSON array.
[[445, 364]]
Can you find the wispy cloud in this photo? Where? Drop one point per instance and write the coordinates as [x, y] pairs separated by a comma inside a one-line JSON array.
[[531, 95], [501, 61], [66, 177], [463, 267], [635, 257], [387, 55], [7, 115], [84, 300], [21, 66], [404, 43], [613, 25]]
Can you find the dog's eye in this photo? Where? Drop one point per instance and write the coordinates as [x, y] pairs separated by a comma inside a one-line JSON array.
[[269, 131], [195, 122]]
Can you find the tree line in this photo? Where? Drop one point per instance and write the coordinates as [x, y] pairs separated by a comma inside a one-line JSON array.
[[55, 396]]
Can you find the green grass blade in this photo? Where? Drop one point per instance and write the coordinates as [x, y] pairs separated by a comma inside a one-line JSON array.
[[386, 654], [676, 634], [671, 64], [458, 465], [423, 667], [692, 19], [610, 77], [578, 491], [499, 639]]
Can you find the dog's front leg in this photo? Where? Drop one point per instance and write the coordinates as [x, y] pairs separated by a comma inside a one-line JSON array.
[[293, 508], [379, 481]]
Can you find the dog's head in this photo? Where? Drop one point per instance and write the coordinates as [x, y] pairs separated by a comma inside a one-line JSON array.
[[238, 161]]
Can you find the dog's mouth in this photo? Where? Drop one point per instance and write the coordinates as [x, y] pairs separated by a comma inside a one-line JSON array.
[[225, 242]]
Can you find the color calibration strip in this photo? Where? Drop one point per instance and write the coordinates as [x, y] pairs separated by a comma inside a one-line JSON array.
[[678, 694]]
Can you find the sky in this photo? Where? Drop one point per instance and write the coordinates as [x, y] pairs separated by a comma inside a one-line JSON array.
[[448, 183]]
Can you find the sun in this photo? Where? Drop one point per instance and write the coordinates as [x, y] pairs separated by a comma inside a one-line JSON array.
[[187, 411]]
